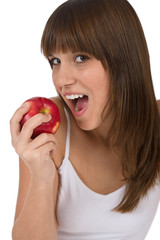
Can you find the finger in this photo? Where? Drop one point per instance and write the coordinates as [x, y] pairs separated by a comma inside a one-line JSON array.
[[42, 139], [46, 149], [32, 123], [17, 117]]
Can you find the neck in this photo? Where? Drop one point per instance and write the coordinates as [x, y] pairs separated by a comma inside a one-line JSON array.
[[101, 132]]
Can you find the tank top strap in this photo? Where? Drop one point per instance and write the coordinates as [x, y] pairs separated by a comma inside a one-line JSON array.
[[67, 149]]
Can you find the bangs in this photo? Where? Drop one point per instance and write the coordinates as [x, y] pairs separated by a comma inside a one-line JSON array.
[[68, 30]]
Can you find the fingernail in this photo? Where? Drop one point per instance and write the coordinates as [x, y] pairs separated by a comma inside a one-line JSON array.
[[49, 116]]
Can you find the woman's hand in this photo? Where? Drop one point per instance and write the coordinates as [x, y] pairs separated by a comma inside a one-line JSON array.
[[36, 153]]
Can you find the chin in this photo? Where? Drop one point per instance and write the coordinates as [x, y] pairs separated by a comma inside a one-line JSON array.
[[87, 125]]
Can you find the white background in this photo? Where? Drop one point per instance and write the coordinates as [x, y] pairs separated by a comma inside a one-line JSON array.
[[25, 73]]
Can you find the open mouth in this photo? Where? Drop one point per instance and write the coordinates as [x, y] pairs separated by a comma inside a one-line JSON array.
[[78, 103]]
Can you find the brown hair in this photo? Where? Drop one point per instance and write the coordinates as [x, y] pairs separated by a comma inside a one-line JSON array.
[[111, 31]]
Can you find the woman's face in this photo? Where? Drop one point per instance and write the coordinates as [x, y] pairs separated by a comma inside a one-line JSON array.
[[83, 83]]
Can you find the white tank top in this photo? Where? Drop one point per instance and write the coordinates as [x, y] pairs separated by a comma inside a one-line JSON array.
[[83, 214]]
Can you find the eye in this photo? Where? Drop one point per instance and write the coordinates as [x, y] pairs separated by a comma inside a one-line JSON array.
[[54, 61], [81, 58]]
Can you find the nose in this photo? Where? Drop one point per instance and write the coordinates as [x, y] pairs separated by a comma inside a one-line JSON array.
[[64, 75]]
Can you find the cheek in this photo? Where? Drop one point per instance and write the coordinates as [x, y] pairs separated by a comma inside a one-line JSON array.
[[53, 77], [102, 93], [102, 86], [54, 80], [105, 83]]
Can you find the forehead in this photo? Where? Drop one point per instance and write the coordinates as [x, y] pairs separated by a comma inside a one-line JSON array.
[[68, 52], [68, 31]]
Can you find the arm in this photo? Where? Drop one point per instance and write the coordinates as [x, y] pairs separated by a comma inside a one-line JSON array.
[[35, 212], [35, 216]]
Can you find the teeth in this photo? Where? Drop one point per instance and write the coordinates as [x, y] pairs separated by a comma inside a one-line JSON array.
[[74, 96]]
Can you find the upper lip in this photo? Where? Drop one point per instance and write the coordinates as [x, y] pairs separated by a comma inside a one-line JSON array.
[[72, 93]]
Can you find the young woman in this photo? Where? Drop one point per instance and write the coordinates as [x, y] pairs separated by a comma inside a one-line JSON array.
[[98, 176]]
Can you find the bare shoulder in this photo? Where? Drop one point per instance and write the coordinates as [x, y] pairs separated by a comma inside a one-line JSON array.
[[60, 134]]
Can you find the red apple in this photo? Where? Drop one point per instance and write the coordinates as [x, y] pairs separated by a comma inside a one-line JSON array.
[[45, 106]]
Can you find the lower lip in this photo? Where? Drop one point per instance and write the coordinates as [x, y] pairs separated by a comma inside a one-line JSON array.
[[79, 113]]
